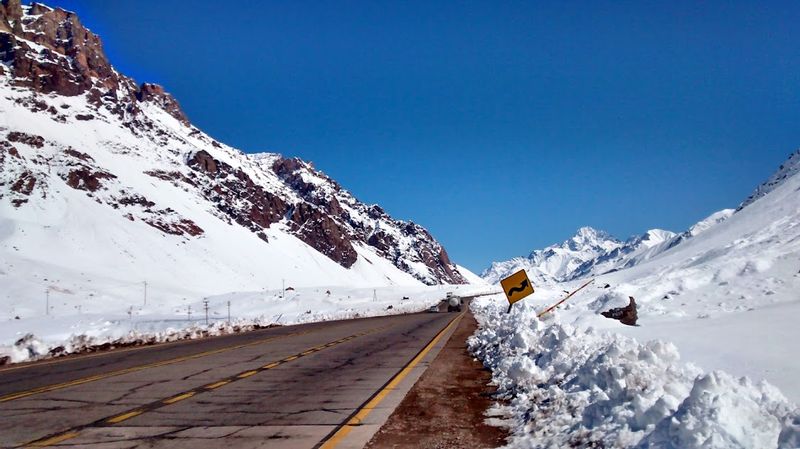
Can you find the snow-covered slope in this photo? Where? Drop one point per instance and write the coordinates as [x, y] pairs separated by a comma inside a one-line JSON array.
[[788, 169], [717, 333], [105, 184]]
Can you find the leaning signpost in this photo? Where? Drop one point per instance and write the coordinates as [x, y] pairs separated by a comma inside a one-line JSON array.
[[516, 287], [550, 309]]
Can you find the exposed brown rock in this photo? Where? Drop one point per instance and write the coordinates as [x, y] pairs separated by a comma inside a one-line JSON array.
[[24, 184], [84, 178], [156, 94], [174, 176], [203, 161], [78, 155], [180, 227], [7, 148], [322, 233], [626, 315], [28, 139], [134, 199]]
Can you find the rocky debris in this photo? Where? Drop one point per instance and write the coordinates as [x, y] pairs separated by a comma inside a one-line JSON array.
[[28, 139], [626, 315]]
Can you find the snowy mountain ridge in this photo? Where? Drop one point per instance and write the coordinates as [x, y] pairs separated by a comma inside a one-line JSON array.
[[788, 169], [556, 262], [588, 252]]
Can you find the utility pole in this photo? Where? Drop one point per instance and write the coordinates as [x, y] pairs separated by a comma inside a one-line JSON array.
[[205, 306], [375, 295], [229, 313], [145, 292]]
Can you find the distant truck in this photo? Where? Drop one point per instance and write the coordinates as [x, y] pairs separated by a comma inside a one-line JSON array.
[[453, 303]]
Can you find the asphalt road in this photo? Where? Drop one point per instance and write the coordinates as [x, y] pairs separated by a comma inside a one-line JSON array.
[[317, 385]]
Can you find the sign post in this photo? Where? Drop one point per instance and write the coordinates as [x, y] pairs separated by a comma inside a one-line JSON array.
[[516, 287]]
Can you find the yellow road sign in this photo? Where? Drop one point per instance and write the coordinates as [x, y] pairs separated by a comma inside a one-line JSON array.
[[517, 286]]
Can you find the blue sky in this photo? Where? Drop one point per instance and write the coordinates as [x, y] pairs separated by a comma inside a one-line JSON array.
[[500, 126]]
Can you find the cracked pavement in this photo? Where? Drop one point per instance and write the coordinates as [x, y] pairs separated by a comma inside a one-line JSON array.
[[295, 404]]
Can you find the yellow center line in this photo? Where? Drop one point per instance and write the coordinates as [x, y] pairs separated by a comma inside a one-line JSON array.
[[48, 441], [362, 413], [124, 416], [72, 383], [179, 397], [217, 384], [54, 440]]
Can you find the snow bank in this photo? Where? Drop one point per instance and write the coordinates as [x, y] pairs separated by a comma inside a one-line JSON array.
[[571, 386], [68, 330]]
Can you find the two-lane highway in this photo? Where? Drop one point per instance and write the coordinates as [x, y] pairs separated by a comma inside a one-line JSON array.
[[317, 385]]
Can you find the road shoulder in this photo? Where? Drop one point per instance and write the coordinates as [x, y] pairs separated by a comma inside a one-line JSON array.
[[446, 407]]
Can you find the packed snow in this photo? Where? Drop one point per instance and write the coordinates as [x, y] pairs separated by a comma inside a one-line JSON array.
[[712, 362], [575, 386]]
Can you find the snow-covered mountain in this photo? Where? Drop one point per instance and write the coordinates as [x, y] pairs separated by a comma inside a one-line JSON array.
[[556, 262], [589, 252], [103, 178]]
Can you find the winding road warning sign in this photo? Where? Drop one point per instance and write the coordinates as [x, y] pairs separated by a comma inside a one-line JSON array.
[[516, 287]]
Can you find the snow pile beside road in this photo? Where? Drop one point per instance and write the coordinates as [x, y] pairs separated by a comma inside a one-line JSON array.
[[570, 386], [68, 331]]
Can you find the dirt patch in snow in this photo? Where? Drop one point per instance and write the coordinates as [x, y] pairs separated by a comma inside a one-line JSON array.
[[446, 407]]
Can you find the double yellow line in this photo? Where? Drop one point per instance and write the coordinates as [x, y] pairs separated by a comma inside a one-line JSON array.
[[118, 418], [83, 380]]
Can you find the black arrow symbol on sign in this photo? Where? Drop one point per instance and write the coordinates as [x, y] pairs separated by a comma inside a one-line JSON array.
[[519, 289]]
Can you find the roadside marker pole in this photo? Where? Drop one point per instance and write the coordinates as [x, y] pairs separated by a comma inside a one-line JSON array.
[[562, 301]]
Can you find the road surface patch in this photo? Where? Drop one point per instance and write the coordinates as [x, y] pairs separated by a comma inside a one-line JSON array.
[[74, 432], [133, 369], [337, 435]]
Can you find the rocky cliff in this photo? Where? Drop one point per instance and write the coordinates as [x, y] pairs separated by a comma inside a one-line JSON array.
[[71, 121]]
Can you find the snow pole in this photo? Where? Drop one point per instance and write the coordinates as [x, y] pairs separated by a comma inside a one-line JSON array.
[[562, 301]]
